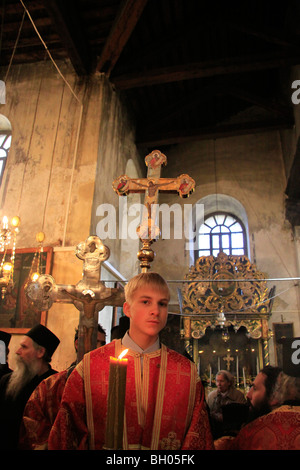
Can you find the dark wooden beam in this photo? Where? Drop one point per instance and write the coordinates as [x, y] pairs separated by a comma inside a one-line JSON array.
[[66, 20], [215, 132], [204, 69], [122, 29], [257, 100]]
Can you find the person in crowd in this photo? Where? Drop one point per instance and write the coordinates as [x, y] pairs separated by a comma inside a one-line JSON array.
[[225, 394], [5, 339], [164, 399], [280, 428], [43, 405], [33, 365], [260, 394]]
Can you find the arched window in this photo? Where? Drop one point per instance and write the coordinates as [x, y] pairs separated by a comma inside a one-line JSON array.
[[5, 142], [217, 222], [221, 232]]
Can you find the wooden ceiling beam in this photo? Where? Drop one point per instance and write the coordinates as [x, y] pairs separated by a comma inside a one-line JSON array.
[[255, 99], [68, 23], [215, 132], [121, 30], [204, 69]]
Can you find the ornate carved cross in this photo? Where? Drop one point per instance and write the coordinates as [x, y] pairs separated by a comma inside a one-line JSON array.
[[228, 359], [89, 295], [123, 185]]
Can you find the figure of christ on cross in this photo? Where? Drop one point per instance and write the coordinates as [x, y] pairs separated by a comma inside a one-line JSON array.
[[89, 306], [183, 185], [89, 295]]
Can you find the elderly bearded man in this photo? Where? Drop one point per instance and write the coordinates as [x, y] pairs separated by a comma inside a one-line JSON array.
[[33, 365]]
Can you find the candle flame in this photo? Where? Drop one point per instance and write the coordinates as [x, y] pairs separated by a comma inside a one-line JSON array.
[[123, 354]]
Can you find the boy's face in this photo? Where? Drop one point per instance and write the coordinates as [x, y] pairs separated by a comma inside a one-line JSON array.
[[148, 313]]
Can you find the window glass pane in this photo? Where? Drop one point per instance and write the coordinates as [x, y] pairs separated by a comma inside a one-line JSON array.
[[220, 219], [227, 251], [238, 251], [204, 241], [215, 242], [204, 252], [210, 222], [7, 143], [215, 252], [224, 229], [237, 240], [216, 229], [229, 220], [2, 139], [225, 241], [204, 229], [236, 227]]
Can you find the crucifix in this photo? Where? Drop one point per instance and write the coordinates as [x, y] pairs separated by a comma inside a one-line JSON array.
[[89, 295], [147, 231], [228, 359]]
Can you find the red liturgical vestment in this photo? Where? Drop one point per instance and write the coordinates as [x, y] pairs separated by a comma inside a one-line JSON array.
[[278, 430], [164, 403]]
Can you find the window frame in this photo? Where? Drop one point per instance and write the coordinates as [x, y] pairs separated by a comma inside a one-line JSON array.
[[199, 252], [4, 159]]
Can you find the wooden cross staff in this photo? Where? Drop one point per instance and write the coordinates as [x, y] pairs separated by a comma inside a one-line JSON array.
[[89, 295], [147, 231]]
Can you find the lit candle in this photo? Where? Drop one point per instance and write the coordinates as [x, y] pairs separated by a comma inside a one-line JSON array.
[[244, 377], [116, 402]]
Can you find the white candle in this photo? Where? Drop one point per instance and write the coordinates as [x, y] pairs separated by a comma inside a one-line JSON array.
[[257, 365], [219, 366], [210, 375], [116, 402], [237, 370], [244, 377]]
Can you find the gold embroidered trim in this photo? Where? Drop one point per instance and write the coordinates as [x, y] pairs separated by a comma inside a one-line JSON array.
[[159, 398], [88, 400], [192, 396]]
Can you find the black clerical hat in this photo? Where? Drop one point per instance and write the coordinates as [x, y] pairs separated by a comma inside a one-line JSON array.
[[291, 356], [44, 337], [5, 337]]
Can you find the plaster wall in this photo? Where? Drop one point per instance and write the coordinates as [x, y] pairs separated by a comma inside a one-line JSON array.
[[70, 139], [249, 168]]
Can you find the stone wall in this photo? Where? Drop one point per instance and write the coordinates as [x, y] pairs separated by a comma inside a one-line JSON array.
[[70, 139]]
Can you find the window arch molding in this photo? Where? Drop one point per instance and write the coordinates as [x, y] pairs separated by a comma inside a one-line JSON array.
[[210, 205]]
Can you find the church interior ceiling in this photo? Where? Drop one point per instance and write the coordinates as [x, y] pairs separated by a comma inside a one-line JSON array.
[[188, 70]]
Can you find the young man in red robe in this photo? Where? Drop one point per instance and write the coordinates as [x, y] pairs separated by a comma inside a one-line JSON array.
[[164, 401]]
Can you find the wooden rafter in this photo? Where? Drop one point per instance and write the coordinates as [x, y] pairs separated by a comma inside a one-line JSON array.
[[66, 17], [204, 69], [214, 132], [122, 28]]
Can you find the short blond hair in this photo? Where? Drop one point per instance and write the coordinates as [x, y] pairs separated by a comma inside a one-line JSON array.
[[146, 279]]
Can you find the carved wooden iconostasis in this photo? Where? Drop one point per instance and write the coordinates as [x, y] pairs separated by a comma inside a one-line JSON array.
[[225, 306]]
